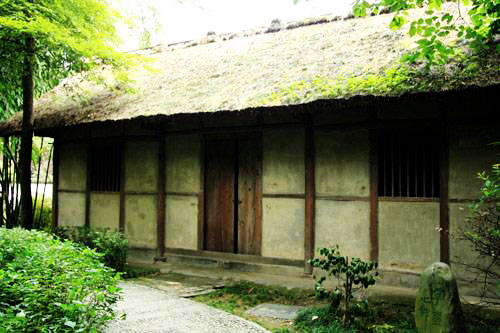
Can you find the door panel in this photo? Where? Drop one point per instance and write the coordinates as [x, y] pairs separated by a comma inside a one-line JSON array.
[[249, 187], [220, 169]]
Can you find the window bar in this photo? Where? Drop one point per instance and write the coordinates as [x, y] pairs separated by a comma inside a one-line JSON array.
[[400, 193], [392, 164], [384, 149], [424, 164], [432, 170], [416, 167], [407, 165]]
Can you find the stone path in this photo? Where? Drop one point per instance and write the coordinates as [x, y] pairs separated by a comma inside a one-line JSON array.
[[152, 310]]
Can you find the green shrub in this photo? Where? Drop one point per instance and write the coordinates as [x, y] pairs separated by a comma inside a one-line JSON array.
[[350, 273], [47, 285], [111, 244]]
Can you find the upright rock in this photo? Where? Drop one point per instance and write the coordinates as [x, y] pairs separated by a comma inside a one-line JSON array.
[[437, 308]]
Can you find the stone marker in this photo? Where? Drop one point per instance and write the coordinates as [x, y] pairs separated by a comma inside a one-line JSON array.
[[437, 307]]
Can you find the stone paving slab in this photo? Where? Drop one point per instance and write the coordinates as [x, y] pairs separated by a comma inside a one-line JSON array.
[[152, 310], [276, 311]]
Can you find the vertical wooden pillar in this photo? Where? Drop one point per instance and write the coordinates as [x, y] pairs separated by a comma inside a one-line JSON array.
[[201, 197], [88, 185], [310, 190], [162, 178], [55, 183], [374, 196], [444, 218], [121, 223]]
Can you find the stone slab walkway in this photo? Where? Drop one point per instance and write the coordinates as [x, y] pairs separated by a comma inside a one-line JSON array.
[[152, 310], [275, 311]]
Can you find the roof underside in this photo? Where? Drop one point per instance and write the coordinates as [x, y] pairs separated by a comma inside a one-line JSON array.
[[229, 75]]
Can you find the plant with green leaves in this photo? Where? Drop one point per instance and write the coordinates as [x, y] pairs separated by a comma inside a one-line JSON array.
[[112, 245], [482, 231], [479, 30], [47, 285], [41, 42], [351, 274]]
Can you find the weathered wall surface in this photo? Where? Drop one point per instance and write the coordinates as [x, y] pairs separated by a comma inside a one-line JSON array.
[[283, 228], [183, 163], [183, 176], [342, 163], [72, 177], [342, 171], [105, 210], [182, 222], [408, 234], [141, 179], [283, 162], [343, 223], [140, 221], [283, 174], [469, 153], [141, 166], [71, 209], [73, 167]]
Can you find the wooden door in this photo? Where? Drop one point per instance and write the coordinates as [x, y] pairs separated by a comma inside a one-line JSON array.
[[233, 194], [220, 177], [249, 209]]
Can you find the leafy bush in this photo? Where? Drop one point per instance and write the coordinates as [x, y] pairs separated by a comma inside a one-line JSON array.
[[111, 244], [483, 232], [353, 272], [47, 285]]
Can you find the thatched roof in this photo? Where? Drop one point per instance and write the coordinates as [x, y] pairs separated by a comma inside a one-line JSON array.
[[235, 72]]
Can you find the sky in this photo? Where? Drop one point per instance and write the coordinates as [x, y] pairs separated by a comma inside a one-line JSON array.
[[171, 21]]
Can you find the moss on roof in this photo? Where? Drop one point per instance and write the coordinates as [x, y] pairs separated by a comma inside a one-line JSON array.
[[337, 59]]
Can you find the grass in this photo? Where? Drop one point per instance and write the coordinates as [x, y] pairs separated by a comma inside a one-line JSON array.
[[379, 316], [132, 272]]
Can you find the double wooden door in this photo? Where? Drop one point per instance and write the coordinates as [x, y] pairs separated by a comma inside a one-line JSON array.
[[233, 204]]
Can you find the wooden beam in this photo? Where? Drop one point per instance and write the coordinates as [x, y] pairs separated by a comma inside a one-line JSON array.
[[55, 183], [162, 179], [310, 190], [121, 223], [87, 185], [444, 218], [374, 250]]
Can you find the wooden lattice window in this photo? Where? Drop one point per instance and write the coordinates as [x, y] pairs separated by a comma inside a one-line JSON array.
[[408, 164], [105, 168]]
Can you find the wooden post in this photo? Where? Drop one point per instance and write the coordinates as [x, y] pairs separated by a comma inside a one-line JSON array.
[[160, 223], [310, 190], [374, 196], [55, 184], [201, 197], [121, 223], [444, 218], [88, 185]]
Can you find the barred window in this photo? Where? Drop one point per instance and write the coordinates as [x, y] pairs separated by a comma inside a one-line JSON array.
[[408, 164], [105, 168]]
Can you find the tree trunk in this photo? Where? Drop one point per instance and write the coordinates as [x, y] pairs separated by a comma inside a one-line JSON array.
[[27, 137]]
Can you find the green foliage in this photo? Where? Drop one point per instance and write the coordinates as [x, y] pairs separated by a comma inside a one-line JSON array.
[[349, 273], [47, 285], [239, 297], [433, 30], [483, 229], [71, 36], [465, 70], [319, 320], [112, 245]]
